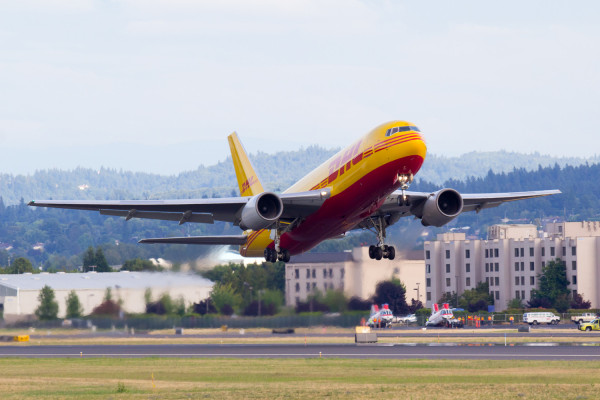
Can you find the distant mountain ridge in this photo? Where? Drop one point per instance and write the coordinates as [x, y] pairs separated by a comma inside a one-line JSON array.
[[277, 172]]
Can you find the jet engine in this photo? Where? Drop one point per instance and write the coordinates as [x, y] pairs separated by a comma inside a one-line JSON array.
[[442, 207], [261, 211]]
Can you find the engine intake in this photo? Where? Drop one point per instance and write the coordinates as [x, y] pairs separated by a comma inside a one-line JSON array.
[[442, 207], [261, 211]]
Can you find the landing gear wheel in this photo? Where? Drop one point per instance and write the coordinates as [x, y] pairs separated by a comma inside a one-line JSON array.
[[391, 253], [372, 252], [270, 255], [378, 253], [284, 256]]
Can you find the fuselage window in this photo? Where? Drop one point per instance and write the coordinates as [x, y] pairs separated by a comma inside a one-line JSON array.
[[395, 130]]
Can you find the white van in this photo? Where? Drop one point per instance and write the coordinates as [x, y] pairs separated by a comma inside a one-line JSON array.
[[536, 318]]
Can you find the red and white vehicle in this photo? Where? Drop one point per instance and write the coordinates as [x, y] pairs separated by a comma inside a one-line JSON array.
[[440, 317]]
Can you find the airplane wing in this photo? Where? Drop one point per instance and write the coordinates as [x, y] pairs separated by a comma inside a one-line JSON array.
[[442, 206], [211, 240], [228, 209]]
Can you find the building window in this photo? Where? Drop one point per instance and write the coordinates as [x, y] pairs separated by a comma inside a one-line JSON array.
[[314, 285], [324, 273], [343, 272], [531, 252], [330, 273], [551, 251], [308, 286], [447, 268], [447, 281], [496, 253], [573, 251], [307, 273], [516, 294], [532, 266], [496, 267], [522, 266], [428, 282], [516, 280], [564, 251], [543, 251], [522, 252], [427, 254], [468, 267], [516, 252], [428, 268], [487, 280], [491, 282], [574, 265], [314, 274], [297, 273], [516, 266], [468, 281], [497, 295], [467, 253], [497, 280], [532, 280], [487, 253], [543, 264], [428, 296], [487, 267], [523, 294], [522, 281], [297, 287], [447, 254], [574, 279]]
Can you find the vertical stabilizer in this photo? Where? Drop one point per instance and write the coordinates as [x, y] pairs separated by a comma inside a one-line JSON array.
[[246, 177]]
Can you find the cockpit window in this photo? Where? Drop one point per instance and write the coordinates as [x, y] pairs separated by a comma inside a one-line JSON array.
[[392, 131]]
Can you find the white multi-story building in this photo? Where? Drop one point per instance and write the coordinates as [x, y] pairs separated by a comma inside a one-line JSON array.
[[352, 272], [511, 260]]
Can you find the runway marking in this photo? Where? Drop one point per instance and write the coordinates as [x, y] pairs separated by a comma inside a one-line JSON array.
[[316, 355]]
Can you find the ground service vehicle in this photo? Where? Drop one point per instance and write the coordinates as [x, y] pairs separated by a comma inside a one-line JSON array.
[[536, 318], [590, 326], [581, 318], [380, 318]]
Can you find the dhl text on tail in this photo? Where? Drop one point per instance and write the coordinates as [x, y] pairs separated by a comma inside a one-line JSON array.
[[364, 186]]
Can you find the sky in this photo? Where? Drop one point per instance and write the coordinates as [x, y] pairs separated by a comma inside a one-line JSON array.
[[157, 85]]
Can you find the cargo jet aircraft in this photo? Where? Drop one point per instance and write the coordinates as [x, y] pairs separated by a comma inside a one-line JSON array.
[[364, 186]]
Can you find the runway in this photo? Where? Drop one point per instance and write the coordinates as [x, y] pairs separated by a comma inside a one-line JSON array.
[[537, 351]]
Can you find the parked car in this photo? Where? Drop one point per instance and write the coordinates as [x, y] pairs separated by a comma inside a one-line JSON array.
[[585, 317], [536, 318], [407, 319]]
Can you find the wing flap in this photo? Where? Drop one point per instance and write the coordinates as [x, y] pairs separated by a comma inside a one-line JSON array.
[[207, 240], [203, 218]]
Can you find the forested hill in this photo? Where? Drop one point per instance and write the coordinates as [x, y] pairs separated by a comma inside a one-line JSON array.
[[277, 172], [59, 235]]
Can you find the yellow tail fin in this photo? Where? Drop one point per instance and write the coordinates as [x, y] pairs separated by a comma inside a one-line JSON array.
[[247, 178]]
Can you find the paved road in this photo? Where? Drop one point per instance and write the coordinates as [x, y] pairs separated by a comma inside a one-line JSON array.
[[439, 351]]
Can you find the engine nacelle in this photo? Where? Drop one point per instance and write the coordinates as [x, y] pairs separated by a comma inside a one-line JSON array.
[[442, 207], [261, 211]]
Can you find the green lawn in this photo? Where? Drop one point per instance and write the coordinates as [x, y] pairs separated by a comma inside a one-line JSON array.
[[305, 378]]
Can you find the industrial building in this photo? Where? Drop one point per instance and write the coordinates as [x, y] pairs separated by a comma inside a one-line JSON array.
[[352, 272], [19, 293], [511, 259]]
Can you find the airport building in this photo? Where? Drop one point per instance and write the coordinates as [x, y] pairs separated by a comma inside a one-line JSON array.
[[352, 272], [19, 293], [511, 260]]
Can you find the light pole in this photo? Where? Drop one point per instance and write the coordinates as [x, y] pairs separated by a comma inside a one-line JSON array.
[[418, 294]]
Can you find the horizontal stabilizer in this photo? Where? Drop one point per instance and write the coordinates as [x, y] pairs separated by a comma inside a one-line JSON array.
[[231, 239]]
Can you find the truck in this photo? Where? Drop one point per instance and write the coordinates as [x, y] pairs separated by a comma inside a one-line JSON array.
[[581, 318], [594, 325]]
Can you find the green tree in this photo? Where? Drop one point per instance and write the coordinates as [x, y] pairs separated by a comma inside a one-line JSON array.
[[89, 259], [553, 285], [335, 300], [74, 308], [515, 303], [137, 264], [95, 260], [225, 298], [392, 292], [101, 263], [20, 266], [48, 308], [476, 299]]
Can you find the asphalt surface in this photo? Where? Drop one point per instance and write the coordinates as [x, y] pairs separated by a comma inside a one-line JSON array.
[[537, 351]]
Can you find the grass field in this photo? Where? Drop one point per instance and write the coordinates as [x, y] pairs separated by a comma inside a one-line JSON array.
[[153, 378]]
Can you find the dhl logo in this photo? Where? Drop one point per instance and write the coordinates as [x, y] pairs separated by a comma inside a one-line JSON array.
[[248, 183], [353, 156]]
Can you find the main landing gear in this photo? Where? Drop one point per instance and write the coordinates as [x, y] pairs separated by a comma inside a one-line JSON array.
[[277, 254], [381, 250]]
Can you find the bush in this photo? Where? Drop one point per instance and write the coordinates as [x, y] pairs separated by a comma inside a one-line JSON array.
[[201, 308], [358, 304], [107, 308], [265, 309]]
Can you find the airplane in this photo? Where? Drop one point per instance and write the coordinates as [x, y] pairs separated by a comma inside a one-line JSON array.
[[440, 317], [364, 186], [380, 318]]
